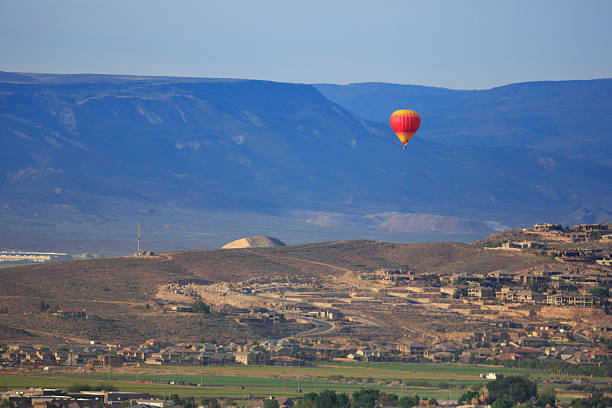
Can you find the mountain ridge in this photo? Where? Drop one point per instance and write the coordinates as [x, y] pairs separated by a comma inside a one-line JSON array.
[[565, 117], [79, 153]]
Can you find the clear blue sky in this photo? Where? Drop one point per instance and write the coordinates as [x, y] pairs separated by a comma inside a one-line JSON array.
[[454, 44]]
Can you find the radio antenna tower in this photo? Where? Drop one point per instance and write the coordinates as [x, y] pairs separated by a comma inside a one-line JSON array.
[[139, 224]]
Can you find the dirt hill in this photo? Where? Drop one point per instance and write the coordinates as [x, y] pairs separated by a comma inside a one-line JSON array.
[[258, 241]]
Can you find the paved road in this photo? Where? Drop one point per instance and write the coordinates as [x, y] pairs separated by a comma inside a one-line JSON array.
[[321, 327]]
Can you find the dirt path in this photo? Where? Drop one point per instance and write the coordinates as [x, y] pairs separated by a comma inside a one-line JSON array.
[[347, 276], [81, 340], [115, 302]]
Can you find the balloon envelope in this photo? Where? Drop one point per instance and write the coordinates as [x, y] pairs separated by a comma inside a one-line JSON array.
[[405, 123]]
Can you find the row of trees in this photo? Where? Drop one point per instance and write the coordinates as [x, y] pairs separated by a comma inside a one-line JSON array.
[[368, 398], [507, 392], [504, 392]]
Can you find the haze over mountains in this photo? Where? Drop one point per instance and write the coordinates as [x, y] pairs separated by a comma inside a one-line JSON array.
[[571, 118], [206, 161]]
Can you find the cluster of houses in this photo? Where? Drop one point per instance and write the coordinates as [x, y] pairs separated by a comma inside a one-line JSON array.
[[544, 344], [550, 239], [553, 287], [96, 355], [597, 256], [505, 340], [577, 233]]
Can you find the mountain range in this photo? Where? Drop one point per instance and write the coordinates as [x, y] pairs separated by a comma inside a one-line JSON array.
[[570, 118], [205, 161]]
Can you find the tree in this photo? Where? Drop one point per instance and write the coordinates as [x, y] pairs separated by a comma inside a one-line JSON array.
[[365, 398], [200, 307], [270, 403], [307, 401], [600, 292], [596, 400], [502, 403], [343, 401], [409, 401], [547, 398], [539, 287], [326, 399], [468, 396], [43, 306], [189, 402], [175, 398], [513, 388], [7, 403], [214, 404], [78, 387]]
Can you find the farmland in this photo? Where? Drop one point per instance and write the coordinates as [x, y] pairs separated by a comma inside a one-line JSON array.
[[441, 381]]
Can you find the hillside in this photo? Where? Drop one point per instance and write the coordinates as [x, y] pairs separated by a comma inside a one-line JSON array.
[[200, 161], [123, 293]]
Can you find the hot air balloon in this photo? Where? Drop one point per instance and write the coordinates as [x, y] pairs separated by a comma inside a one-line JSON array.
[[405, 123]]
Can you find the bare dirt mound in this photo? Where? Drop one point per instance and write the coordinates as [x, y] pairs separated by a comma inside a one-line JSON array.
[[259, 241]]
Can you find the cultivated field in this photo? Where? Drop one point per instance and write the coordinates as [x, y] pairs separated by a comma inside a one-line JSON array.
[[441, 381]]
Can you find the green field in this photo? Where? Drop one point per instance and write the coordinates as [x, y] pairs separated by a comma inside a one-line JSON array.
[[441, 381]]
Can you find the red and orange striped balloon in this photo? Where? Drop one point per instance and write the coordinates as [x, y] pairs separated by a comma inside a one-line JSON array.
[[405, 123]]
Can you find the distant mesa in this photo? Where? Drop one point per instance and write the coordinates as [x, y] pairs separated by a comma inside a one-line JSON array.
[[259, 241]]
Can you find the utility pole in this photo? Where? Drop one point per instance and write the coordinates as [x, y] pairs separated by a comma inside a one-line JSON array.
[[299, 390], [402, 383], [108, 372], [139, 224]]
